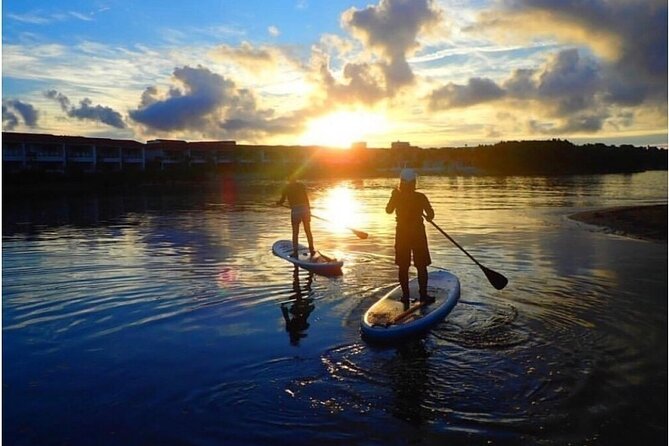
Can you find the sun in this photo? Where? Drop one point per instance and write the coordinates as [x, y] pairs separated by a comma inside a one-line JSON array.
[[342, 128]]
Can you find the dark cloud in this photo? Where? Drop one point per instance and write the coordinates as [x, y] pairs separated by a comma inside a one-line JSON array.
[[569, 91], [393, 25], [9, 119], [476, 91], [203, 93], [522, 84], [571, 81], [391, 29], [207, 102], [13, 109], [364, 84], [87, 111], [630, 35]]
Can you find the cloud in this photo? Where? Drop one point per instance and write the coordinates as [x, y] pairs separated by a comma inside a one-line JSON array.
[[476, 91], [570, 80], [42, 18], [191, 107], [14, 109], [206, 102], [568, 88], [87, 111], [629, 36], [253, 58], [273, 31], [390, 29], [245, 54]]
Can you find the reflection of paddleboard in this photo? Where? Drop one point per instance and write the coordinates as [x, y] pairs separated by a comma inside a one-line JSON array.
[[389, 320], [319, 263]]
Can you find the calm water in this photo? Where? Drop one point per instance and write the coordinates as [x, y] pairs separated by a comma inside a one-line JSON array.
[[165, 319]]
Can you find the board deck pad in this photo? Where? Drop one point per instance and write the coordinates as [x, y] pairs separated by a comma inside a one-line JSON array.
[[380, 320]]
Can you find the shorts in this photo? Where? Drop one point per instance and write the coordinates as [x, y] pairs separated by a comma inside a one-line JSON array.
[[411, 242], [300, 214]]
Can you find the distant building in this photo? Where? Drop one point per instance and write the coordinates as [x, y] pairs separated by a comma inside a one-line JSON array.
[[400, 145], [50, 153]]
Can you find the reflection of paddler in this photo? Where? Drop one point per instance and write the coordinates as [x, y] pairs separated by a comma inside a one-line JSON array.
[[296, 316]]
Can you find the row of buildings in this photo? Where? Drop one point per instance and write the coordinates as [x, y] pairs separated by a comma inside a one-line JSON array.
[[74, 154]]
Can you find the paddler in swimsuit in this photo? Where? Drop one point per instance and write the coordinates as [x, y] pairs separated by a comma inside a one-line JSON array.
[[410, 238], [300, 211]]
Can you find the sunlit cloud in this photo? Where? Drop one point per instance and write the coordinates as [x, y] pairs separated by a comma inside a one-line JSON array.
[[440, 71]]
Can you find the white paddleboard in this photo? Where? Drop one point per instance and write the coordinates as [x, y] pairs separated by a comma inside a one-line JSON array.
[[390, 320], [318, 263]]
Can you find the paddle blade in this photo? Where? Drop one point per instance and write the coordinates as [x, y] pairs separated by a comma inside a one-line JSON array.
[[496, 279], [360, 234]]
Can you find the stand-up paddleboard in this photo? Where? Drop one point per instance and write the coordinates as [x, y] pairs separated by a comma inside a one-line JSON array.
[[319, 263], [390, 320]]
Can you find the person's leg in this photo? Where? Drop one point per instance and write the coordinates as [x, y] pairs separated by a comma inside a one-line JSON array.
[[422, 282], [310, 237], [403, 276], [421, 259], [296, 230]]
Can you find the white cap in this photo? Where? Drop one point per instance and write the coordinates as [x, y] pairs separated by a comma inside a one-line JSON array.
[[408, 175]]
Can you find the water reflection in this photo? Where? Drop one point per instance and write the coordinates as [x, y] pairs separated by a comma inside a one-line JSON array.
[[341, 207], [168, 304], [409, 379], [296, 312]]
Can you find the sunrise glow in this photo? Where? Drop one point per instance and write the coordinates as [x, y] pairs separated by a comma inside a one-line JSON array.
[[341, 129]]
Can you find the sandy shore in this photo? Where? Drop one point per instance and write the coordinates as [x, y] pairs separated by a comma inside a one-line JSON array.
[[643, 222]]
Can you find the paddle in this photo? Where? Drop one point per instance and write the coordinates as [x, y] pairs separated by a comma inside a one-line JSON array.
[[405, 314], [360, 234], [496, 279]]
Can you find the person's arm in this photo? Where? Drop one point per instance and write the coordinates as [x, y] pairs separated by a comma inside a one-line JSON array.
[[283, 197], [306, 197], [392, 203], [427, 208]]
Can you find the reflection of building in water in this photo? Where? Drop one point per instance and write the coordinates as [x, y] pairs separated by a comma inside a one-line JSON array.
[[296, 313]]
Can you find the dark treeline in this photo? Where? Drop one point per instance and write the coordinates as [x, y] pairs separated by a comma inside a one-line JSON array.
[[557, 157], [551, 157]]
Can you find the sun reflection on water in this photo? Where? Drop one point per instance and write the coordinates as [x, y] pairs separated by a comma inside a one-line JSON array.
[[342, 210]]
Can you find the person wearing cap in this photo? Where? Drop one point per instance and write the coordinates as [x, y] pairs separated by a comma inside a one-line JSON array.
[[300, 211], [410, 239]]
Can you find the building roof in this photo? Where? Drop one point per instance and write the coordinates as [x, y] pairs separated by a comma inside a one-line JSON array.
[[43, 138]]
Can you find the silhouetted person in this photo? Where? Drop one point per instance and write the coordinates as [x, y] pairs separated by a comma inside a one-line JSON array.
[[300, 211], [410, 238], [296, 316]]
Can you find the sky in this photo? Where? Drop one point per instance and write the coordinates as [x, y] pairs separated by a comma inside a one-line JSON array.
[[435, 73]]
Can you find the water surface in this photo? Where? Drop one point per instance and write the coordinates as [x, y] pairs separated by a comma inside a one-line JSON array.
[[165, 319]]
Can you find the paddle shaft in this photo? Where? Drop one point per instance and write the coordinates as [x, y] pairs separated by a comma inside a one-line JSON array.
[[406, 313], [454, 242], [358, 233], [496, 279]]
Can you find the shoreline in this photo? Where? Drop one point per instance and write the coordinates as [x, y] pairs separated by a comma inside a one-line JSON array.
[[647, 222]]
